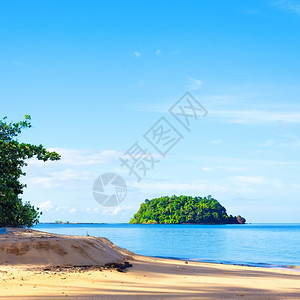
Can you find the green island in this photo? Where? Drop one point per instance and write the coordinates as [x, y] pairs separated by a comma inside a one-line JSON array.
[[184, 210]]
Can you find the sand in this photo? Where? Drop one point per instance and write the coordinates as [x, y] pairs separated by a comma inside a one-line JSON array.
[[149, 278], [32, 247]]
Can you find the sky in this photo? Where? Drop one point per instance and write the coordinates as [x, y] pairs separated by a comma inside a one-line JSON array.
[[98, 76]]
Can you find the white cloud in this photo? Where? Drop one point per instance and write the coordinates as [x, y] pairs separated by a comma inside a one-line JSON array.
[[291, 144], [245, 181], [49, 206], [158, 52], [45, 206], [116, 211], [206, 169], [61, 208], [288, 5], [137, 54], [70, 174], [77, 169], [119, 210], [67, 178], [248, 179], [43, 182], [216, 142], [74, 157], [93, 211], [181, 188], [195, 84], [257, 116], [268, 142], [106, 212]]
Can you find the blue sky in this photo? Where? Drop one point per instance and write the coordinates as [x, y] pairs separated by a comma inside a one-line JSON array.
[[96, 75]]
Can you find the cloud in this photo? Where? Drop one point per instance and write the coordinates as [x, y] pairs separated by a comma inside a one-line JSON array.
[[70, 174], [288, 5], [238, 184], [269, 142], [181, 188], [195, 84], [206, 169], [92, 211], [254, 181], [61, 208], [248, 179], [67, 178], [158, 52], [45, 206], [137, 54], [292, 144], [49, 206], [216, 142], [76, 170], [257, 116], [42, 182], [119, 210], [74, 157]]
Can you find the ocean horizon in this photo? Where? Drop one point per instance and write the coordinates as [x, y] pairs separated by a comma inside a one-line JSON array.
[[252, 244]]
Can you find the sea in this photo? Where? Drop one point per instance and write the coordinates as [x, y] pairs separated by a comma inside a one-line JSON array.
[[265, 245]]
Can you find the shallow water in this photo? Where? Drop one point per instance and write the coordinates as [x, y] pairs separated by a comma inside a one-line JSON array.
[[251, 244]]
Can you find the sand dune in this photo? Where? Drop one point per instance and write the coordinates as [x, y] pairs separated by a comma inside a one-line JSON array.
[[32, 247]]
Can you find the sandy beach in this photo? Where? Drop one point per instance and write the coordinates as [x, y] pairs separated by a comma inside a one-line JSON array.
[[148, 278]]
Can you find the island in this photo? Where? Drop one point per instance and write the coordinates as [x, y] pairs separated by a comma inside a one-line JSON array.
[[184, 210]]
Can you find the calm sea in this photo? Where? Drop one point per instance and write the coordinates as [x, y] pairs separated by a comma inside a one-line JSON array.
[[250, 244]]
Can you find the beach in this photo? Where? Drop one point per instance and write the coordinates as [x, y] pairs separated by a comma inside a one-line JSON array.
[[148, 278], [152, 278]]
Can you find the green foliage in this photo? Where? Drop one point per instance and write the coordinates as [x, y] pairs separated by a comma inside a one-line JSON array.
[[182, 210], [13, 154]]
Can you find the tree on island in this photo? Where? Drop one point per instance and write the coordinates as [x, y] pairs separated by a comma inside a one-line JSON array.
[[184, 210], [13, 154]]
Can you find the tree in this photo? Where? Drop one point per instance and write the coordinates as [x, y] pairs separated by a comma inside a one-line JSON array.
[[184, 209], [13, 154]]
